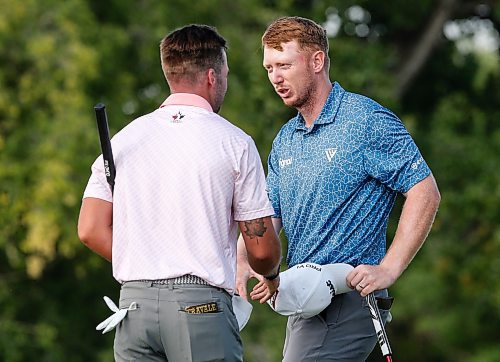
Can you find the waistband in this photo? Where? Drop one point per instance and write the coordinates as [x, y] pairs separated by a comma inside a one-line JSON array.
[[182, 280]]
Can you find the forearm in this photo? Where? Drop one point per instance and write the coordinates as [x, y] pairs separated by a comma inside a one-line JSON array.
[[100, 243], [417, 217], [262, 245], [242, 254], [95, 228]]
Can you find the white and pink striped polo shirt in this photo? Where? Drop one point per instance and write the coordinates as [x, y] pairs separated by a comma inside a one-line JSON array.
[[184, 176]]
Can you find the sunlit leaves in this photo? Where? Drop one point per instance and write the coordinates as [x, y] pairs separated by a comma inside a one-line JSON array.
[[59, 58]]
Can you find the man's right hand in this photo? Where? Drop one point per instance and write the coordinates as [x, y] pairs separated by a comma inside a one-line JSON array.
[[243, 274], [265, 289], [262, 291]]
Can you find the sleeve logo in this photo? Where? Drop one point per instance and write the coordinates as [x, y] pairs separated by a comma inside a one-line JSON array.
[[414, 165]]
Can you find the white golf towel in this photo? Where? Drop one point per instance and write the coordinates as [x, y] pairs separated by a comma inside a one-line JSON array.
[[241, 307]]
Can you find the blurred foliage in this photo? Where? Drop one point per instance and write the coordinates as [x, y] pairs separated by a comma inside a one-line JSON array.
[[59, 58]]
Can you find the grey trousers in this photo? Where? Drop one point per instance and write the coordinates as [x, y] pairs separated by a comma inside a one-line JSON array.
[[342, 332], [177, 323]]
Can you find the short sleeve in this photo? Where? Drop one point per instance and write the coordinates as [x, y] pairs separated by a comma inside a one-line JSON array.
[[97, 185], [391, 156], [250, 198], [273, 181]]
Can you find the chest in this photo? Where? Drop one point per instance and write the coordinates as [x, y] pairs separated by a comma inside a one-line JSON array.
[[325, 159]]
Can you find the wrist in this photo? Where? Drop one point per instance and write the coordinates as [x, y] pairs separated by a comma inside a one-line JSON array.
[[274, 275], [392, 270]]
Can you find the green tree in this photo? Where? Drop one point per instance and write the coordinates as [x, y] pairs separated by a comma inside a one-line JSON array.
[[60, 58]]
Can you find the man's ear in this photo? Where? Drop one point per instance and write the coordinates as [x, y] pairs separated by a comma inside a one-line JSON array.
[[318, 61], [212, 79]]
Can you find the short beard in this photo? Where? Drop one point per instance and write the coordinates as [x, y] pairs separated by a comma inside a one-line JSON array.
[[219, 97], [306, 101]]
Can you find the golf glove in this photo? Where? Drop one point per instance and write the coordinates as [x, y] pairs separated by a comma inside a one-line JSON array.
[[116, 318]]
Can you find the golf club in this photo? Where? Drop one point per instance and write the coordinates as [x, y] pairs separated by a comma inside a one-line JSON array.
[[107, 153], [383, 341]]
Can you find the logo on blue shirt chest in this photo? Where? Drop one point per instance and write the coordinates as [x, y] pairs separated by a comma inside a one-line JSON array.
[[329, 153], [285, 162]]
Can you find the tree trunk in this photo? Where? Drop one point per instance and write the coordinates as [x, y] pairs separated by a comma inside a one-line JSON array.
[[422, 50]]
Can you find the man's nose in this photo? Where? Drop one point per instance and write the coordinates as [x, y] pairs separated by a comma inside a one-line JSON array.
[[276, 77]]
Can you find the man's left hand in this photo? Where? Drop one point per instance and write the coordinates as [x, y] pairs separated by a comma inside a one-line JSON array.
[[369, 278]]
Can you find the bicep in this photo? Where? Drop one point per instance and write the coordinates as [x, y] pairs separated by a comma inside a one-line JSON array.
[[426, 188], [94, 214]]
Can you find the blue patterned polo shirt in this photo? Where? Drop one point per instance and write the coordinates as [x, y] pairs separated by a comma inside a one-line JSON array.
[[334, 184]]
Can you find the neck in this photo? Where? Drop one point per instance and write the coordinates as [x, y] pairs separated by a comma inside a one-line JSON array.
[[311, 110], [199, 91]]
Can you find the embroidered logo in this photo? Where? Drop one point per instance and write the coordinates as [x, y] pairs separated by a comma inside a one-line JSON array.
[[330, 152], [330, 286], [414, 165], [273, 299], [176, 118], [202, 308], [286, 162]]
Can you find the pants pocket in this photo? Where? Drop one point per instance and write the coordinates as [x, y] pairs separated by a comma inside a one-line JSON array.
[[204, 334]]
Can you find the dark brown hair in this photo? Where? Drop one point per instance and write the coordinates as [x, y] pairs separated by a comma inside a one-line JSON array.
[[190, 50], [308, 34]]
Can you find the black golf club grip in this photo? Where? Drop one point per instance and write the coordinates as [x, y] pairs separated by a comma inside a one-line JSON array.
[[378, 324], [107, 153]]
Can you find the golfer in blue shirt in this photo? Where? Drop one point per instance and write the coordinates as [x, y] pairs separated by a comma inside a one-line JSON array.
[[333, 175]]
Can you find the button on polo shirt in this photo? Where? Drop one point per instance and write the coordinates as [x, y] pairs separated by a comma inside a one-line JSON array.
[[334, 184]]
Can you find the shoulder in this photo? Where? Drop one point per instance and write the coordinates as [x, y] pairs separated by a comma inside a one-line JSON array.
[[230, 127], [359, 104], [365, 111], [133, 129], [229, 131], [286, 131]]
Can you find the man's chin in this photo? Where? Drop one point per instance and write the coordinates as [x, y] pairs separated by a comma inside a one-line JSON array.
[[285, 100], [289, 102]]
